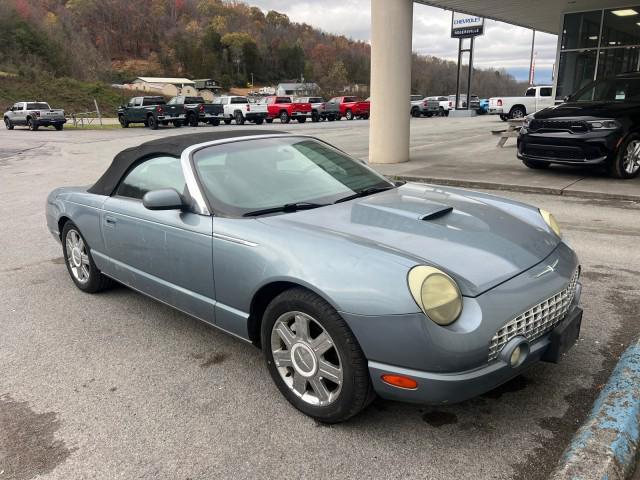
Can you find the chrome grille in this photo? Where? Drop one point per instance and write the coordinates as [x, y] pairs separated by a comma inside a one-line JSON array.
[[536, 321]]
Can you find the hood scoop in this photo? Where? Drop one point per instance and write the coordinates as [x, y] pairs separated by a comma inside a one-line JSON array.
[[436, 213]]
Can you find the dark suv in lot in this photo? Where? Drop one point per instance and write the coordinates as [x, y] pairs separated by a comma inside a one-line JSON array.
[[597, 125]]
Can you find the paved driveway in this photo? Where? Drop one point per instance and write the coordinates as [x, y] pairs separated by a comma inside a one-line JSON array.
[[117, 385]]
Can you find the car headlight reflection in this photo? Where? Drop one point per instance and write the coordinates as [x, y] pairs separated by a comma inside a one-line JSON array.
[[551, 221], [436, 293]]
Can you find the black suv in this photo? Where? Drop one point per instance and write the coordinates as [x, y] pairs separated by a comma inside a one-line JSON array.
[[597, 125]]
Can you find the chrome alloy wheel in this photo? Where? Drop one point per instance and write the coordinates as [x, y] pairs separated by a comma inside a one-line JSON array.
[[306, 358], [631, 159], [77, 256]]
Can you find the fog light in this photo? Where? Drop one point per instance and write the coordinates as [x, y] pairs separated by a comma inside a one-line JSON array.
[[400, 381], [515, 356], [515, 352]]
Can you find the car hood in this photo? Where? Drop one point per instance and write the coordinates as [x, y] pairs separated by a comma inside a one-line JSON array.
[[589, 109], [479, 239]]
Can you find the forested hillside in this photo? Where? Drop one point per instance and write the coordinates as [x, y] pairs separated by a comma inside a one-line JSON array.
[[117, 40]]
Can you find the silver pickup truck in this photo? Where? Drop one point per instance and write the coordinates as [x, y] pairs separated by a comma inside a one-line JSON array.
[[34, 115], [320, 109]]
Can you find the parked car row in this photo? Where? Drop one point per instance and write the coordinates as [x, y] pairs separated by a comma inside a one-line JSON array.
[[440, 106], [181, 110]]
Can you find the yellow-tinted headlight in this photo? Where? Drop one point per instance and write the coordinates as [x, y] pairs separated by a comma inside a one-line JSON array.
[[436, 293], [551, 221]]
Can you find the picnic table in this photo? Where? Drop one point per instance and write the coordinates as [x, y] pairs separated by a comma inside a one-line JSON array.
[[512, 130]]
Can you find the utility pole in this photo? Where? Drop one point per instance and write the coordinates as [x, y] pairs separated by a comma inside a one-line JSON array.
[[531, 72]]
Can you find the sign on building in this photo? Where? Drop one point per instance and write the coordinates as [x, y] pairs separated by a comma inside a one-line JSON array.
[[466, 26]]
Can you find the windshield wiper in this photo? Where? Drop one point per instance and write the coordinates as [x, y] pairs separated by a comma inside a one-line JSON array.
[[287, 208], [364, 193]]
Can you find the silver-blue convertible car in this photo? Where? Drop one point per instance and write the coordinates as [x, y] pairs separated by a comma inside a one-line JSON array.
[[352, 285]]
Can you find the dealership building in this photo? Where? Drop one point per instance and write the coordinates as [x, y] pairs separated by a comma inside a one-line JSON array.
[[595, 39]]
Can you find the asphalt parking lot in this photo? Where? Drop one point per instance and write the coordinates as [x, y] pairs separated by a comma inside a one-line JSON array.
[[116, 385]]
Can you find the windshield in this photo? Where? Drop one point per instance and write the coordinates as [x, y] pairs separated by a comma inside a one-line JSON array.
[[38, 106], [245, 176], [610, 90]]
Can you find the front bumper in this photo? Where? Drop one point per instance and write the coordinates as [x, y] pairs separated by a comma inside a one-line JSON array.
[[454, 363], [445, 388], [592, 148]]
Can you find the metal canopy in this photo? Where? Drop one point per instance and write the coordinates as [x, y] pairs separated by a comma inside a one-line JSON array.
[[542, 15]]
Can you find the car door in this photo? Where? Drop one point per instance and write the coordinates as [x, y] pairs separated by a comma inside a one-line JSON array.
[[164, 253], [19, 114], [545, 99]]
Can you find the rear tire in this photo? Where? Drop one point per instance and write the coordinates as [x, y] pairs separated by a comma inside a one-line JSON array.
[[79, 262], [239, 118], [315, 117], [415, 112], [177, 123], [349, 115], [517, 112], [536, 164], [32, 124], [8, 124], [259, 121], [58, 126], [339, 357], [227, 121], [215, 122], [192, 120], [152, 123], [626, 163], [331, 118], [302, 119], [269, 120]]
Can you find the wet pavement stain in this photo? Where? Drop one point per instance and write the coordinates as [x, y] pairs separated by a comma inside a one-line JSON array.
[[438, 418], [28, 447], [514, 385], [214, 359]]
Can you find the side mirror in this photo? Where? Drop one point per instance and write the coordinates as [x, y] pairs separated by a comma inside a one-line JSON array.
[[163, 199]]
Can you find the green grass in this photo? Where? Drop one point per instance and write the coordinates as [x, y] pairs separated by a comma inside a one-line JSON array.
[[71, 95]]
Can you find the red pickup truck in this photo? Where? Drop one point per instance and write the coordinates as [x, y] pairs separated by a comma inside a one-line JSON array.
[[284, 109], [352, 107]]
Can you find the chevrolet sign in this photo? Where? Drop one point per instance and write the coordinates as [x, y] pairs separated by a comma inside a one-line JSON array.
[[466, 26]]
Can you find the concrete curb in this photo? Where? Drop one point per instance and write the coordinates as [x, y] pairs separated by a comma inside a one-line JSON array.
[[607, 445], [517, 188]]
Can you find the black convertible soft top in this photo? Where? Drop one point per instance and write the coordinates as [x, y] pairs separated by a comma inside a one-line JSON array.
[[172, 146]]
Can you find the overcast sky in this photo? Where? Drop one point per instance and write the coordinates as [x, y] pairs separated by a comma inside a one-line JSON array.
[[502, 45]]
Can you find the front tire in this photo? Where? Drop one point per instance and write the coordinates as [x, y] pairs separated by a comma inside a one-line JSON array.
[[123, 121], [8, 124], [314, 358], [626, 163], [79, 262]]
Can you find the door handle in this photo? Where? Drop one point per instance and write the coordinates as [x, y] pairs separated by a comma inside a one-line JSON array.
[[110, 220]]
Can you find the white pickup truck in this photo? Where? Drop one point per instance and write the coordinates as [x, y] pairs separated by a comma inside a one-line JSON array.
[[239, 109], [535, 98], [34, 115]]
